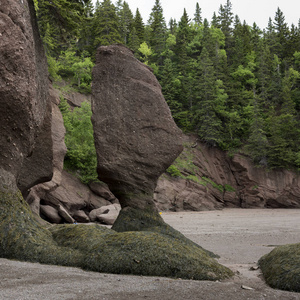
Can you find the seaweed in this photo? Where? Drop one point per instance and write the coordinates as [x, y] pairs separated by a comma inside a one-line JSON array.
[[281, 267], [150, 247]]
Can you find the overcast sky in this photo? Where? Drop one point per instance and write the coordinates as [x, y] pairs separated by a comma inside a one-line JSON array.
[[251, 11]]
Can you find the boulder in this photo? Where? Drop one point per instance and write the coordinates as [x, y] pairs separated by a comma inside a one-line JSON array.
[[81, 217], [281, 267], [74, 195], [101, 189], [105, 214], [50, 213], [136, 138]]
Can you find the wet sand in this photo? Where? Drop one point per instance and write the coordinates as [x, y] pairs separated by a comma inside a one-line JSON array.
[[239, 236]]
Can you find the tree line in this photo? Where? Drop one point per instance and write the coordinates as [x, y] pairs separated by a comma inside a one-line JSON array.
[[236, 85]]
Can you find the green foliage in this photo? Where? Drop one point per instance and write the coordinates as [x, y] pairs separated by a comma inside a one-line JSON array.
[[173, 171], [213, 184], [79, 139], [106, 25], [228, 188], [72, 67], [146, 52], [83, 73], [235, 85]]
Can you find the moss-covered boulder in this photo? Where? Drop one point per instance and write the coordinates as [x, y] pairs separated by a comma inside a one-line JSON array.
[[281, 267], [160, 252], [131, 219]]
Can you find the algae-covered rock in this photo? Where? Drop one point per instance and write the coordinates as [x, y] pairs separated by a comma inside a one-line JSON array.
[[100, 249], [139, 253], [281, 267], [23, 238], [131, 219]]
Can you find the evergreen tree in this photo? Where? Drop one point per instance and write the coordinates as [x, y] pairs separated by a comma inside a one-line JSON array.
[[208, 123], [183, 38], [139, 25], [225, 20], [157, 38], [172, 26], [134, 42], [257, 143], [86, 37], [106, 29], [197, 16], [282, 34], [125, 22], [284, 127]]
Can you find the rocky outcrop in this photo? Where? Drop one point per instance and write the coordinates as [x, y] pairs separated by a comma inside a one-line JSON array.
[[25, 142], [135, 136], [75, 197], [23, 113], [210, 179], [64, 199], [136, 139]]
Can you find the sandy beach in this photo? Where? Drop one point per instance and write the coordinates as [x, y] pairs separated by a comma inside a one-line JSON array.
[[239, 236]]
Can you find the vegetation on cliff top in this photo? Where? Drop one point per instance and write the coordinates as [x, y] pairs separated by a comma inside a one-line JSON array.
[[236, 85]]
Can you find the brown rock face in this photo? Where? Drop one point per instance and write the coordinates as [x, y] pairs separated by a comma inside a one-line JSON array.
[[135, 136], [24, 105], [222, 181]]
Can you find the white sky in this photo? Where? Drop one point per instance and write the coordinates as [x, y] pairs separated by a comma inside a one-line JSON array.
[[251, 11]]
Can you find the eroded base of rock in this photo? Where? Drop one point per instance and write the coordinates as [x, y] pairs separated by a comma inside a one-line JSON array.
[[154, 253]]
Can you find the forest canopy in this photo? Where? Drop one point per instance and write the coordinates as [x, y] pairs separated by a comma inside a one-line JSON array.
[[236, 85]]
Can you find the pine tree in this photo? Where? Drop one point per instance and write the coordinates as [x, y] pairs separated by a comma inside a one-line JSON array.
[[158, 32], [86, 37], [172, 26], [284, 127], [183, 38], [106, 28], [59, 22], [225, 22], [139, 25], [197, 16], [281, 33], [257, 143], [134, 42], [207, 122], [125, 22]]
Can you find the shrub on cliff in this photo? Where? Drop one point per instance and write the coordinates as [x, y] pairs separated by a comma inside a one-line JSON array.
[[79, 139]]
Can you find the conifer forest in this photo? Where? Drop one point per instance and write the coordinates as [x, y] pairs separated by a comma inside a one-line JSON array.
[[235, 85]]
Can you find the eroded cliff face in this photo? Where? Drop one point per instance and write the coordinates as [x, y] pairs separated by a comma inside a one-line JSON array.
[[211, 179], [25, 140]]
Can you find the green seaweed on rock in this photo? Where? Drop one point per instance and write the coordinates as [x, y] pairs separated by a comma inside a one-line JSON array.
[[157, 251], [281, 267]]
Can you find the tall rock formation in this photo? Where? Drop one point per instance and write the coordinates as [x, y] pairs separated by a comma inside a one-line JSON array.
[[135, 136], [24, 111], [24, 107]]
